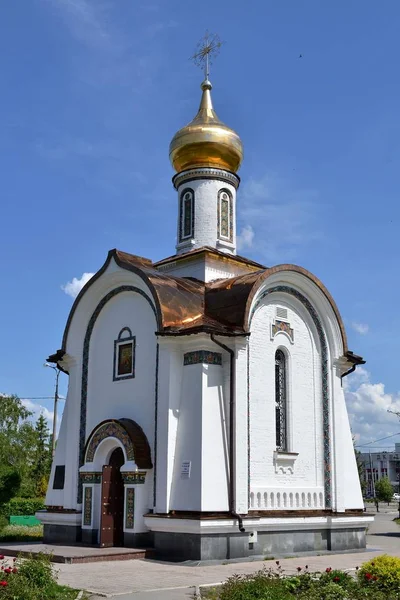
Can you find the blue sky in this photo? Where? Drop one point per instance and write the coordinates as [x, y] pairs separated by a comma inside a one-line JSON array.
[[93, 91]]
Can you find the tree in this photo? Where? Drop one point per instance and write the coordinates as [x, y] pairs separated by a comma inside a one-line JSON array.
[[383, 491], [360, 468], [41, 457], [361, 471], [17, 441], [10, 481]]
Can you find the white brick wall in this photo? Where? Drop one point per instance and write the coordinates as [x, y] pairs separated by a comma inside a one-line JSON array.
[[206, 213], [304, 398]]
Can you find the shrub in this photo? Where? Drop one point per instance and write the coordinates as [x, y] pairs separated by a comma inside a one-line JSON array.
[[21, 506], [382, 572], [10, 482], [263, 585], [344, 580], [324, 591]]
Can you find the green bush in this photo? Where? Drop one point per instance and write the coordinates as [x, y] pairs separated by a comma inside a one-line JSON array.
[[263, 585], [21, 506], [3, 523], [10, 482], [33, 579], [324, 591], [382, 572]]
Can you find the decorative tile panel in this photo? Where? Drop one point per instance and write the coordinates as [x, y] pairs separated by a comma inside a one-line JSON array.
[[85, 364], [130, 508], [87, 506], [202, 357], [110, 429], [325, 386], [90, 477], [284, 326], [134, 476]]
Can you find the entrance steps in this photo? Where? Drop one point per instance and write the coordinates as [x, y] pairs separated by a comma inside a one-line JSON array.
[[75, 554]]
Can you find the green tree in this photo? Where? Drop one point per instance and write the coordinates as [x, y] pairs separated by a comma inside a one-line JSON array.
[[17, 441], [41, 456], [10, 481], [383, 491]]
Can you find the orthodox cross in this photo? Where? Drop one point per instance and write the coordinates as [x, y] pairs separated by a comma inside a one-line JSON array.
[[207, 49]]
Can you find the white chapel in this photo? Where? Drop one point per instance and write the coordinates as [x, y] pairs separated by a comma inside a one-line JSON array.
[[205, 415]]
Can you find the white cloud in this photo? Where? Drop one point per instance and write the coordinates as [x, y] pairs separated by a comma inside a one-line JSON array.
[[245, 238], [72, 288], [282, 219], [368, 405], [361, 328], [38, 409]]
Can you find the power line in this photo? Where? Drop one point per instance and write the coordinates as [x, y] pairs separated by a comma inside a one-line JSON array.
[[380, 439]]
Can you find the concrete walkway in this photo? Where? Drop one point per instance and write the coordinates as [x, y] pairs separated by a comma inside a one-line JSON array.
[[152, 580]]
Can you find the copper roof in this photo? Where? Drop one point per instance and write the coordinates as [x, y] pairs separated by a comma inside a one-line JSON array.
[[211, 252], [187, 306]]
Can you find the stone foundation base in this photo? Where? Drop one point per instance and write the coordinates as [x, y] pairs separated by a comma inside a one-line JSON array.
[[190, 546], [62, 534], [221, 540]]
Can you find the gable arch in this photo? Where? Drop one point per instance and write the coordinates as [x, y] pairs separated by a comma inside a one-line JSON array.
[[131, 436]]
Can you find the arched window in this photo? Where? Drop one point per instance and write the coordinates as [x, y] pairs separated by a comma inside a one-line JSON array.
[[280, 400], [186, 221], [124, 355], [225, 216]]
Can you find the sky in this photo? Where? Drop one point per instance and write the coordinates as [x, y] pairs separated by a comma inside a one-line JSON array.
[[94, 90]]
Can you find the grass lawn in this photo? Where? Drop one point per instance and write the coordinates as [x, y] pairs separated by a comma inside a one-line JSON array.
[[21, 533]]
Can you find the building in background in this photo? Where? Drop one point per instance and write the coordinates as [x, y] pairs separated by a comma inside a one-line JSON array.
[[385, 463]]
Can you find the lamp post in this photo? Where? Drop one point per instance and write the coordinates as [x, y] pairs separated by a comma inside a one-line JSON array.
[[53, 445]]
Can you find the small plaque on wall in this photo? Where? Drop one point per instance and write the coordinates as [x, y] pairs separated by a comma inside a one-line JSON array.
[[185, 469]]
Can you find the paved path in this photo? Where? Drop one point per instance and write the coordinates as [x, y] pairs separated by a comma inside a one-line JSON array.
[[152, 580]]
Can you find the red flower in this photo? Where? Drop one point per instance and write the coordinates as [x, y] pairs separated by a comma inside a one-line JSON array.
[[306, 567], [328, 569], [1, 556], [15, 570], [299, 569], [277, 562], [375, 578], [14, 559], [8, 570], [336, 578], [368, 576], [3, 583]]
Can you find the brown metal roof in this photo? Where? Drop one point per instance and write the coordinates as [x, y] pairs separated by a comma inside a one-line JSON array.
[[211, 252], [186, 305]]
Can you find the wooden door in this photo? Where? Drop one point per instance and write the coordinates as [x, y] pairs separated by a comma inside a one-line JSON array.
[[112, 504]]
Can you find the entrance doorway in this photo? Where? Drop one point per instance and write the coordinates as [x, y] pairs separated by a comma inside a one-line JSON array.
[[112, 502]]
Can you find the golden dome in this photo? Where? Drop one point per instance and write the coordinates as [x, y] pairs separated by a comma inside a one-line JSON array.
[[206, 141]]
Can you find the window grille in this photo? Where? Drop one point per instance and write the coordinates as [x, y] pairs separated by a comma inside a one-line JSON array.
[[280, 400], [186, 227]]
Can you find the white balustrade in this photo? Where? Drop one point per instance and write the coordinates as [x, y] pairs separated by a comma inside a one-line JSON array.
[[262, 498]]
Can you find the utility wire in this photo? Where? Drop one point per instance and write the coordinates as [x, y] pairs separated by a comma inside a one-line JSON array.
[[380, 439]]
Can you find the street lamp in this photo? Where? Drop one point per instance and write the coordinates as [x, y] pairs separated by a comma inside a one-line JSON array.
[[53, 446]]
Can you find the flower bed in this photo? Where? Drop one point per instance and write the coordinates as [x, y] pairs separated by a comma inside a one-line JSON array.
[[31, 579], [378, 579]]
